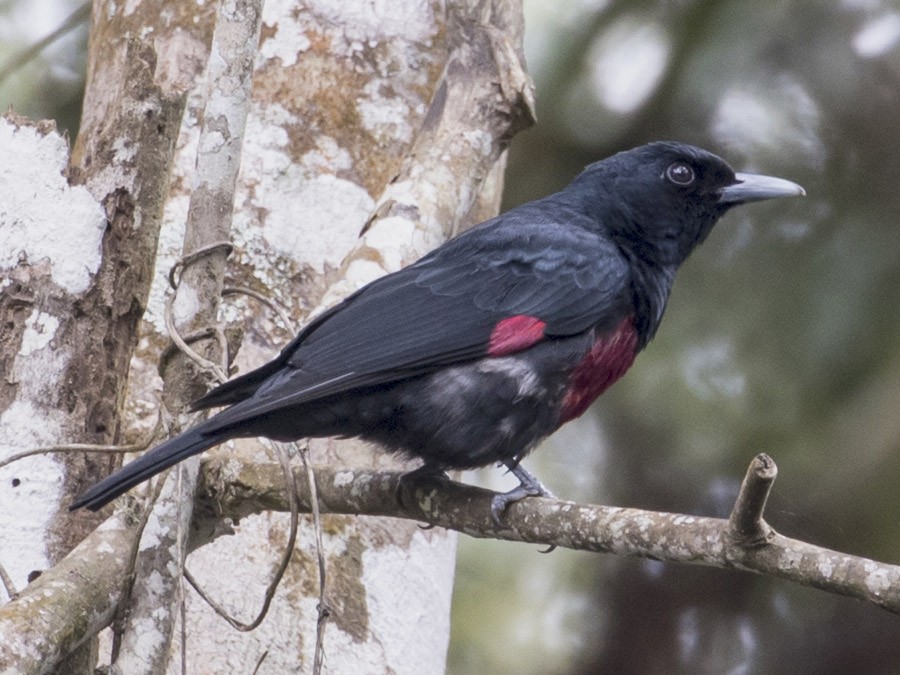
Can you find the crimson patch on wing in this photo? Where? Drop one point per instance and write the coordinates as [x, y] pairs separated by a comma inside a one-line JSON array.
[[514, 334]]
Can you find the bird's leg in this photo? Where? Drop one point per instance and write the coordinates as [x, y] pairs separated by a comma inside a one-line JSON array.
[[529, 486]]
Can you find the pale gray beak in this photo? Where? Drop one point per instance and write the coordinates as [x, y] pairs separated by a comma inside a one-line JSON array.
[[753, 188]]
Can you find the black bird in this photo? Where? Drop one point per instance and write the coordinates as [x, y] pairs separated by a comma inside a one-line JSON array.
[[491, 342]]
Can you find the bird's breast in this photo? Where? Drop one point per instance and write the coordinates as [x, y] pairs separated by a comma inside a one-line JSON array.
[[609, 357]]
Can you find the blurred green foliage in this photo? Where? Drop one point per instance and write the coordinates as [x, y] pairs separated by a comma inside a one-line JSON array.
[[782, 336], [43, 47]]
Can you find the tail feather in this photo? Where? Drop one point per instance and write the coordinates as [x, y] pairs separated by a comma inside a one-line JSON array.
[[237, 389], [146, 466]]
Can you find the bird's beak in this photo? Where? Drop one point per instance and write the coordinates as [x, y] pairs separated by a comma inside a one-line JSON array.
[[753, 188]]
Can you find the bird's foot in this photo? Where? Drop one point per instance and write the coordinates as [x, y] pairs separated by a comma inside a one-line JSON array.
[[529, 486]]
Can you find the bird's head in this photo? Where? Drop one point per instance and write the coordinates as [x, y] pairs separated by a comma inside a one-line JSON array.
[[660, 200]]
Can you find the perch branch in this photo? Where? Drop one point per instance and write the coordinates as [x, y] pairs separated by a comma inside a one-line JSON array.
[[77, 597], [742, 542]]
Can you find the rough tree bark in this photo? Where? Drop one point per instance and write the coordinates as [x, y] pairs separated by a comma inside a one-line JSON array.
[[387, 120]]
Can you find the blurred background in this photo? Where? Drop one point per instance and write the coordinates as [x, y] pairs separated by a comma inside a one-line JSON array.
[[782, 334]]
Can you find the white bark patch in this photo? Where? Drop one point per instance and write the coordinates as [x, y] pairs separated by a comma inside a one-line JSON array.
[[152, 536], [386, 117], [171, 236], [213, 142], [131, 6], [239, 585], [377, 19], [825, 567], [41, 216], [425, 560], [397, 239], [328, 156], [393, 238], [343, 478], [149, 641], [281, 195], [482, 141], [355, 25], [877, 579], [336, 207], [105, 547], [35, 374], [30, 489], [40, 328], [289, 38], [125, 151], [358, 274], [185, 306]]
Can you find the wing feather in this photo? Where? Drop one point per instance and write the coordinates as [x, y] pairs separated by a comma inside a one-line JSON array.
[[442, 310]]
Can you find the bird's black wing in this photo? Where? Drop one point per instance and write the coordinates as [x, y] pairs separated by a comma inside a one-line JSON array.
[[444, 310]]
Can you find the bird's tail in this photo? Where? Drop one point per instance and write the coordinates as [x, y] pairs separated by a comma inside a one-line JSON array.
[[146, 466]]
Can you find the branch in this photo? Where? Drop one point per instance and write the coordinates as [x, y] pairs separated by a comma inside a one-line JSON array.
[[76, 598], [68, 603], [746, 526], [155, 596], [744, 541]]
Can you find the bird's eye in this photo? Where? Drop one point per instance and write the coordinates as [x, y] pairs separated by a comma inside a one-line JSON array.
[[680, 174]]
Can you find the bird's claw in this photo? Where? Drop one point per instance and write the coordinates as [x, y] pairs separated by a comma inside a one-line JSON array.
[[499, 503], [529, 486]]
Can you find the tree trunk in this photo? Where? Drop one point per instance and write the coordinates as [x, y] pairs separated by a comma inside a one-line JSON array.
[[375, 131]]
